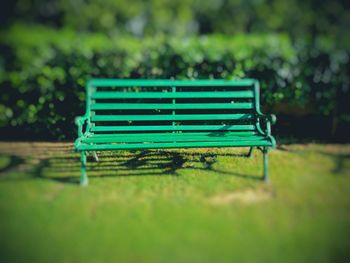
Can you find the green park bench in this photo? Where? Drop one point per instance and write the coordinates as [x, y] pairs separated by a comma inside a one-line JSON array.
[[153, 114]]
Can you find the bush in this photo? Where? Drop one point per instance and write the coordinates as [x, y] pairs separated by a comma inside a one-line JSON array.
[[43, 71]]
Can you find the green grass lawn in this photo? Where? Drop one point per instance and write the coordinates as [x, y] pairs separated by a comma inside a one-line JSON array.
[[200, 205]]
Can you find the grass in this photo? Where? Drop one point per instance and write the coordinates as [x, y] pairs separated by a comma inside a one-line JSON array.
[[205, 205]]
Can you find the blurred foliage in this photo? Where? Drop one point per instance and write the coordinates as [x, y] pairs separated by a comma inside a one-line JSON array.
[[187, 17], [44, 70], [298, 49]]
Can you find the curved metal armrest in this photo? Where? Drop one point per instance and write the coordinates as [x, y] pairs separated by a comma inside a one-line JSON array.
[[268, 119], [80, 121]]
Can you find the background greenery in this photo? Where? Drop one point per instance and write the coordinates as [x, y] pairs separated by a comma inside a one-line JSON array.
[[299, 50]]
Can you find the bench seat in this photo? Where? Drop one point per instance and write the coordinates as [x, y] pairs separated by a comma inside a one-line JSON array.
[[98, 142]]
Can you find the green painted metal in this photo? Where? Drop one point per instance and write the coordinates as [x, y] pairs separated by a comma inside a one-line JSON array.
[[83, 178], [173, 106], [172, 117], [173, 103], [126, 146], [266, 163], [174, 128], [171, 95], [180, 113], [169, 83], [182, 134], [162, 138]]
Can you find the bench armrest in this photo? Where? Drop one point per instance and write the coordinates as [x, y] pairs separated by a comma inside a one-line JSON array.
[[268, 120], [80, 121]]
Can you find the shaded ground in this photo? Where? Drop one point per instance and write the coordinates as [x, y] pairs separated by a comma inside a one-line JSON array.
[[200, 205]]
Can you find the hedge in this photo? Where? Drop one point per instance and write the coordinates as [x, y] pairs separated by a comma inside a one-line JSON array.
[[43, 72]]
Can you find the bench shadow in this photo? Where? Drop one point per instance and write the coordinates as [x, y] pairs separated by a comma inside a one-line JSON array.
[[12, 164], [66, 169], [339, 160]]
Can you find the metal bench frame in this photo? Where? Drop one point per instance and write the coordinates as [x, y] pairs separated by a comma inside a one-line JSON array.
[[92, 138]]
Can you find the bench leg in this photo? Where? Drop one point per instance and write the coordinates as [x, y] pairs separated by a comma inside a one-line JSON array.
[[95, 156], [266, 164], [83, 177], [250, 153]]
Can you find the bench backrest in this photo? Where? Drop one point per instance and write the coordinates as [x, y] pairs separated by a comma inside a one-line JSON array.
[[142, 106]]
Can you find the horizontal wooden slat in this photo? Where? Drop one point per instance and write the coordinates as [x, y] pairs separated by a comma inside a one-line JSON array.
[[99, 147], [182, 117], [165, 106], [174, 128], [174, 95], [170, 138], [170, 83]]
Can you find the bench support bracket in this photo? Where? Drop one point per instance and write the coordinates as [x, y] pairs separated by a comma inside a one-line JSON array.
[[266, 163], [83, 177]]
